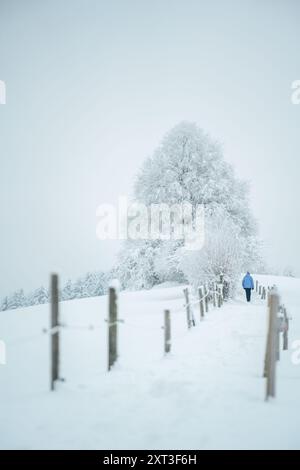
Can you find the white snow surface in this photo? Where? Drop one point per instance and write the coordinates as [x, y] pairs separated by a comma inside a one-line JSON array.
[[207, 394]]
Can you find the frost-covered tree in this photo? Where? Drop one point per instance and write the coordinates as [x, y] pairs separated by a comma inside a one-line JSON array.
[[16, 300], [4, 304], [188, 167], [67, 292], [252, 255], [38, 296], [91, 285], [95, 284]]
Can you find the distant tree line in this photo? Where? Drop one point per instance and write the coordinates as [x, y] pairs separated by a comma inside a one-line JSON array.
[[93, 284]]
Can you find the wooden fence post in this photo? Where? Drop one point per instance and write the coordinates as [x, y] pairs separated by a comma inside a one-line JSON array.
[[214, 294], [206, 297], [267, 344], [54, 332], [278, 340], [285, 331], [219, 296], [112, 328], [201, 302], [167, 332], [188, 308], [256, 286], [259, 290], [270, 360]]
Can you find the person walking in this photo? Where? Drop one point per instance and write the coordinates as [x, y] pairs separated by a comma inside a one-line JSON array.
[[248, 285]]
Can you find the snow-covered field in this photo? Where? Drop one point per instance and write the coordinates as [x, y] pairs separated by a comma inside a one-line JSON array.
[[207, 394]]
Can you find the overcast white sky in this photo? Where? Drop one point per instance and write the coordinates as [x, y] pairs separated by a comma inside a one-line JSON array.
[[92, 86]]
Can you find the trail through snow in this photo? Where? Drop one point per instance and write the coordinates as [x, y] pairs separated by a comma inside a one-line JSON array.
[[207, 394]]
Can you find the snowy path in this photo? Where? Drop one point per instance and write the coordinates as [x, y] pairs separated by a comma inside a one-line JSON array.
[[209, 393]]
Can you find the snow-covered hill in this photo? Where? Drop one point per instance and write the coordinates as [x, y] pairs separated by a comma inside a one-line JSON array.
[[208, 393]]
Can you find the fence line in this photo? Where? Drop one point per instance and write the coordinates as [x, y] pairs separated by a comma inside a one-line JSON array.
[[214, 294]]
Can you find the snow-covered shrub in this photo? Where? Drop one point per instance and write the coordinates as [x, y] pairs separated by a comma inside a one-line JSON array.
[[136, 264], [167, 261], [221, 257], [288, 271]]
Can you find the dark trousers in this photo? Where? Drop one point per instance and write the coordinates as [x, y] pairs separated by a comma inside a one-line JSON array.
[[248, 293]]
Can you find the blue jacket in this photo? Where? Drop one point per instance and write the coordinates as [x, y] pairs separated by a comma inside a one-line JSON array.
[[248, 282]]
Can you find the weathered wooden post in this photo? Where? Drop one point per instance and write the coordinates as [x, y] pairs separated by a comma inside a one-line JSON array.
[[201, 301], [285, 331], [259, 290], [270, 360], [167, 332], [278, 339], [112, 327], [206, 298], [263, 294], [188, 308], [219, 297], [214, 294], [256, 286], [267, 344], [54, 331], [223, 288]]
